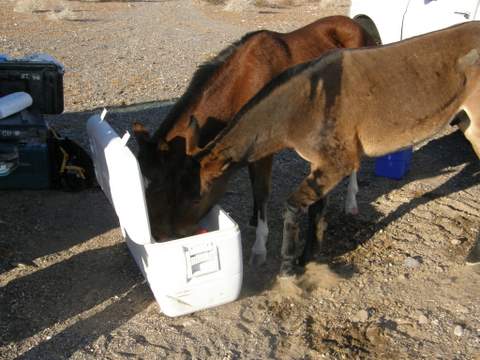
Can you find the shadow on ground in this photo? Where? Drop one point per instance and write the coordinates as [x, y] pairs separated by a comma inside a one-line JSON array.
[[85, 331], [437, 157], [346, 233], [66, 289], [59, 282], [34, 224], [39, 223]]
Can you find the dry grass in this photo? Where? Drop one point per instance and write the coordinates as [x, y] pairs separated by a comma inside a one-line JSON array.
[[30, 6], [59, 8], [262, 3], [215, 2], [55, 9], [64, 14], [240, 5]]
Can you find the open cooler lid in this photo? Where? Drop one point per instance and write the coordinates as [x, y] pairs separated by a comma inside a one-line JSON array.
[[118, 173]]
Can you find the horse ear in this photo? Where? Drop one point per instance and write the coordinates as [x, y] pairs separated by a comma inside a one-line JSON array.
[[141, 133], [212, 166], [191, 141], [143, 137]]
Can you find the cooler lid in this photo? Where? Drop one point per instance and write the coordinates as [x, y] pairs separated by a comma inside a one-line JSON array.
[[119, 176]]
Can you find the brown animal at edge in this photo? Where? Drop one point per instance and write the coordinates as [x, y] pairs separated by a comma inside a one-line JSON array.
[[336, 109], [217, 91]]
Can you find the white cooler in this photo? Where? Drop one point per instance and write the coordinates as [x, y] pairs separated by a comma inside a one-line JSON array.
[[187, 274]]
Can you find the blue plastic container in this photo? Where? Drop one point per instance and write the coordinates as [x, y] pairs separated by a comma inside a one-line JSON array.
[[394, 165]]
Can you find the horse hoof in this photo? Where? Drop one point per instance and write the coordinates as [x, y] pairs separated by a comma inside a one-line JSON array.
[[256, 260], [287, 270], [474, 257]]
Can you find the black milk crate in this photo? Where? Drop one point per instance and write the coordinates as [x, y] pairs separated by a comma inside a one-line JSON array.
[[24, 126], [32, 168], [25, 155], [42, 80]]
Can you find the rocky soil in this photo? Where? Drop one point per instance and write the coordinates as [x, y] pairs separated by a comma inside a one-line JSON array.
[[391, 283]]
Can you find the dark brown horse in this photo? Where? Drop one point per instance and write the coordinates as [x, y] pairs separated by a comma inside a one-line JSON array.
[[217, 91], [334, 110]]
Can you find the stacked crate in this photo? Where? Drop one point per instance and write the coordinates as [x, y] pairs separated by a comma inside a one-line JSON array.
[[25, 154]]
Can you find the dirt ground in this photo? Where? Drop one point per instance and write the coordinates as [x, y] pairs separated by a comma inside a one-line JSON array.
[[391, 283]]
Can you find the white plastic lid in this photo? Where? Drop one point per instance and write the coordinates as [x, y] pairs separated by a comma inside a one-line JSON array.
[[119, 176]]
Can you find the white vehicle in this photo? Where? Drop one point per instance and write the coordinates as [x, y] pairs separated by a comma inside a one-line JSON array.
[[394, 20]]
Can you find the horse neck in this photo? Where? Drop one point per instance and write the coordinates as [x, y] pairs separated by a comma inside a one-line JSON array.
[[220, 97], [248, 139], [228, 89]]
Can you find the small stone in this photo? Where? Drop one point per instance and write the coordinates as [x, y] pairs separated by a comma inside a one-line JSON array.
[[19, 264], [459, 330], [360, 316], [403, 321], [374, 334], [422, 319], [455, 242], [411, 262], [188, 323]]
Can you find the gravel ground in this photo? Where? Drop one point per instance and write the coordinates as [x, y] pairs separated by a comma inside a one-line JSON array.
[[392, 281]]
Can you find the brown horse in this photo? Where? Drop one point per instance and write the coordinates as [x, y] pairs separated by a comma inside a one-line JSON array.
[[336, 109], [217, 91]]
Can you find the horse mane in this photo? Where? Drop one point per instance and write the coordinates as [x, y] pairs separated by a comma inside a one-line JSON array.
[[200, 78]]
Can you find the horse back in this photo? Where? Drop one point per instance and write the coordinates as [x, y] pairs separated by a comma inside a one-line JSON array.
[[403, 93], [334, 32], [265, 54], [254, 61]]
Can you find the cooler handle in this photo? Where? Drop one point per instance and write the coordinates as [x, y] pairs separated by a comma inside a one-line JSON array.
[[201, 260]]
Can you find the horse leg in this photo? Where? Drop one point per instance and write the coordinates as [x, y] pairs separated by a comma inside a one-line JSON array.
[[471, 125], [260, 175], [471, 129], [317, 226], [472, 133], [314, 188], [351, 206], [251, 173]]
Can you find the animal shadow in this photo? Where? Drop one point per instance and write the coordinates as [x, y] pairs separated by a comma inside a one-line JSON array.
[[67, 289], [438, 157]]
